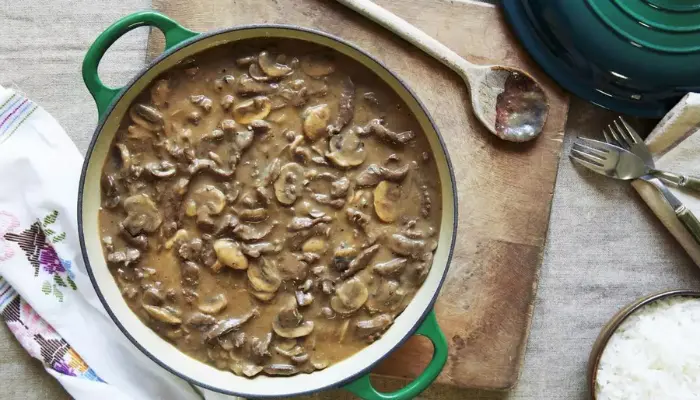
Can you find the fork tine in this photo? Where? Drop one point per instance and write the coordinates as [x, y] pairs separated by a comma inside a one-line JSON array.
[[617, 135], [582, 155], [621, 131], [609, 135], [593, 167], [629, 130], [601, 147], [601, 156]]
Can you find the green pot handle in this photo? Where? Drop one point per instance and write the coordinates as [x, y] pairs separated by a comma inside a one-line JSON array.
[[103, 95], [362, 387]]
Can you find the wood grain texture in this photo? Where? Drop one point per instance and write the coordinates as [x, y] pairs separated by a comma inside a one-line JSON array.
[[505, 189]]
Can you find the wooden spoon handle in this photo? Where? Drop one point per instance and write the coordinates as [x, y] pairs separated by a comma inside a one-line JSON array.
[[411, 34]]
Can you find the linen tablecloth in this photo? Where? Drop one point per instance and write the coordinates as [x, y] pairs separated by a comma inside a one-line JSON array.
[[605, 248]]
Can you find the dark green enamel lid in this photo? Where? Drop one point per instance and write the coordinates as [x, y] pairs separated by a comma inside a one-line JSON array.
[[633, 56]]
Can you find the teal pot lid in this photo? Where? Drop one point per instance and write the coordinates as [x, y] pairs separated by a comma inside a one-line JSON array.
[[635, 57]]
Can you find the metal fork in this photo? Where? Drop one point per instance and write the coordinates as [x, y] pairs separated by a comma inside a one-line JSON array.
[[625, 135], [620, 133], [608, 159]]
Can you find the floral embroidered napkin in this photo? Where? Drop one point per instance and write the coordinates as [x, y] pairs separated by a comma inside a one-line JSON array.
[[46, 297]]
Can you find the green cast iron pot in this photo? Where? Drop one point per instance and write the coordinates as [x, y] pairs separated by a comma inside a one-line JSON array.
[[351, 374]]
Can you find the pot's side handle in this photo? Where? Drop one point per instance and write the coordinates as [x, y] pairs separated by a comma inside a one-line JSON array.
[[362, 387], [103, 95]]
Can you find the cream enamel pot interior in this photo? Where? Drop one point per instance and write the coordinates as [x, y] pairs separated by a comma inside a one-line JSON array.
[[352, 373]]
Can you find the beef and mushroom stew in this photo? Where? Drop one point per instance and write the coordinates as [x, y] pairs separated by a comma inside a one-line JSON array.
[[269, 207]]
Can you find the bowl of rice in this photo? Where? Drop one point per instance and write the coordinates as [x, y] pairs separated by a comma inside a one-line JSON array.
[[649, 350]]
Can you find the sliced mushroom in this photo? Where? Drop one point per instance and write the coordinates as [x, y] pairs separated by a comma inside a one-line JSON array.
[[255, 250], [243, 61], [301, 223], [163, 169], [289, 184], [227, 325], [214, 305], [252, 109], [271, 67], [250, 370], [294, 351], [253, 215], [162, 314], [248, 86], [199, 319], [349, 296], [319, 364], [326, 199], [346, 150], [264, 276], [257, 73], [371, 328], [146, 117], [142, 214], [280, 369], [263, 296], [383, 133], [315, 121], [360, 262], [303, 329], [317, 65], [388, 298], [346, 106], [387, 201], [375, 174], [205, 201], [390, 268], [316, 245], [201, 164], [228, 253], [251, 233], [300, 359], [124, 157]]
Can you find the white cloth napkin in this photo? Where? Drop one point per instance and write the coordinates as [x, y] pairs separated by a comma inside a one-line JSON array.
[[675, 144], [46, 297]]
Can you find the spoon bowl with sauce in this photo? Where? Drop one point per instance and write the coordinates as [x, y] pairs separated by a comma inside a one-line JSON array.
[[507, 101]]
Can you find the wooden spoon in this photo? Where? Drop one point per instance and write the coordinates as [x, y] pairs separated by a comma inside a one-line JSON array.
[[508, 101]]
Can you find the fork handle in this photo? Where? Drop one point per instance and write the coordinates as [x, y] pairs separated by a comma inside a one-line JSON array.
[[690, 221], [688, 182]]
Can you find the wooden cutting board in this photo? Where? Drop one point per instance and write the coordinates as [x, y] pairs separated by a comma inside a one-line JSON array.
[[505, 190]]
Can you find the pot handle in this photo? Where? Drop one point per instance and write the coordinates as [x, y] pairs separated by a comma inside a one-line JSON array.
[[103, 95], [362, 387]]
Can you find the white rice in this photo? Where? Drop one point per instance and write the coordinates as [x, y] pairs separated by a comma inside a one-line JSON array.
[[654, 354]]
